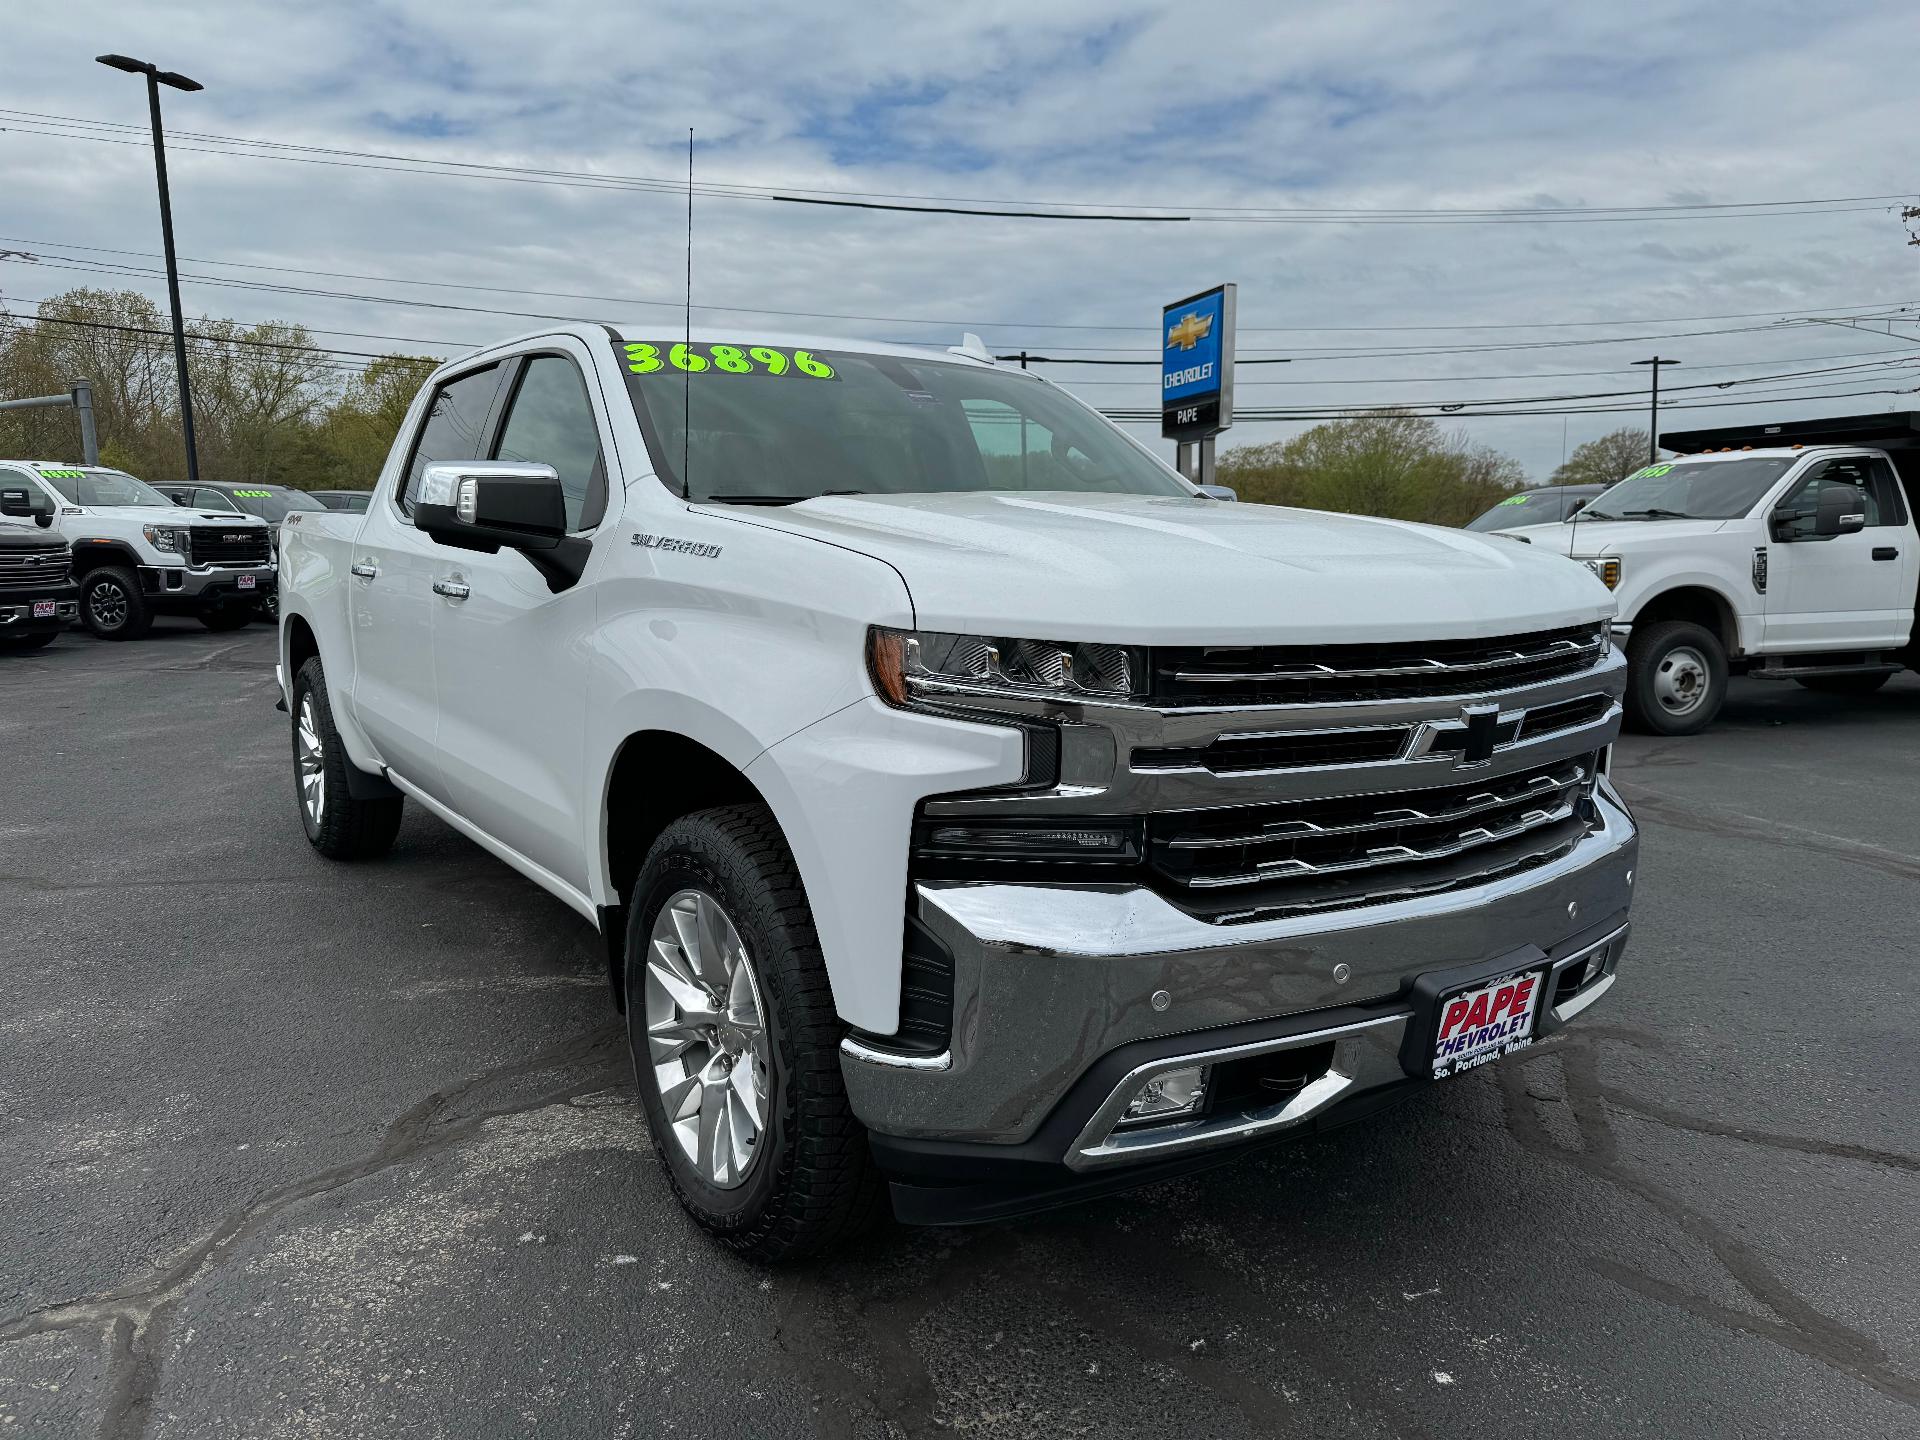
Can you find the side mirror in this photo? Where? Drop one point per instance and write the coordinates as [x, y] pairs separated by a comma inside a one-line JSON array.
[[1840, 510], [1220, 492], [17, 501], [490, 505]]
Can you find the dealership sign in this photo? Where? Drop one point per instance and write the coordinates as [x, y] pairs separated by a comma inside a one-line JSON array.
[[1196, 365]]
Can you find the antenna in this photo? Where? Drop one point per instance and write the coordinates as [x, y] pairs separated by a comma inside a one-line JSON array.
[[686, 370]]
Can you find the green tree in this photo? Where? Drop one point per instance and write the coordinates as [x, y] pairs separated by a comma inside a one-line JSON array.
[[359, 427], [1401, 466], [1601, 462]]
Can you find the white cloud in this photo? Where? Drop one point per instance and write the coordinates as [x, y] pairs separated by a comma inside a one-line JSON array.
[[1445, 103]]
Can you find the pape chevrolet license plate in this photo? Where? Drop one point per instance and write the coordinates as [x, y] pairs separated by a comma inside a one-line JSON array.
[[246, 582], [1486, 1022], [43, 609]]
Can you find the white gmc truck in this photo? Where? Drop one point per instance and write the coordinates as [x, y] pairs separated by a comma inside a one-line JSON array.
[[977, 815], [1781, 550]]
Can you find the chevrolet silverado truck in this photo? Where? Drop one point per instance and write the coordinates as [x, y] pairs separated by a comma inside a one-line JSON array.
[[1782, 550], [977, 815], [38, 598], [136, 555]]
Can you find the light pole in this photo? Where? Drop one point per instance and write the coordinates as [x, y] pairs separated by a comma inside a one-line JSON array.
[[1653, 412], [155, 79]]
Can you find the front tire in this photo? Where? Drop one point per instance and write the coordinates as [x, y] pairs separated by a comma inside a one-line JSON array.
[[1676, 678], [1845, 684], [111, 604], [735, 1042], [339, 826]]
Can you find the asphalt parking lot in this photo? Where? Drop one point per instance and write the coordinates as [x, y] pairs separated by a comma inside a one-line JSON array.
[[297, 1149]]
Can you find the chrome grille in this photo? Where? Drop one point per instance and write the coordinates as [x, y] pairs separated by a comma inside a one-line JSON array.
[[1314, 674], [48, 566], [1318, 853]]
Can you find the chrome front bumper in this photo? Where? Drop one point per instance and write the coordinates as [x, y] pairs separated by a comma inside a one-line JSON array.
[[1050, 979]]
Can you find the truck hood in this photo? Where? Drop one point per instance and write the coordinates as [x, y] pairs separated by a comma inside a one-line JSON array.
[[1169, 570], [162, 515], [1617, 537]]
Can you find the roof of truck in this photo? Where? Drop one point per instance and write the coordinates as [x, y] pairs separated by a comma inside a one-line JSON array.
[[668, 332], [1890, 430]]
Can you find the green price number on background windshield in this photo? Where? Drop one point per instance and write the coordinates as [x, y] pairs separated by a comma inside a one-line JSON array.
[[1651, 472], [643, 358], [63, 474]]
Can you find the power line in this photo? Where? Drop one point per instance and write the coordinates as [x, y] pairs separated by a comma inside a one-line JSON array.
[[77, 128], [1896, 308]]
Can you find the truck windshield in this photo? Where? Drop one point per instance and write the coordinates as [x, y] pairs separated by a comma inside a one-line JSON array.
[[1690, 490], [103, 487], [271, 502], [774, 425]]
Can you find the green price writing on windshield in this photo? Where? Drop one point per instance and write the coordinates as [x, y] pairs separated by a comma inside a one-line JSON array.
[[64, 474], [644, 358], [254, 494], [1650, 472]]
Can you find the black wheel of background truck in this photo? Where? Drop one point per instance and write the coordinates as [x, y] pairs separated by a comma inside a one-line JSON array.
[[1846, 684], [736, 1043], [267, 608], [227, 617], [1676, 678], [337, 825], [111, 604], [38, 640]]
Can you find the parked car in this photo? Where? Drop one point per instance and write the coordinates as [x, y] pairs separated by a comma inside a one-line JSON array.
[[137, 555], [1541, 506], [38, 598], [1783, 550], [354, 501], [272, 503], [1002, 832]]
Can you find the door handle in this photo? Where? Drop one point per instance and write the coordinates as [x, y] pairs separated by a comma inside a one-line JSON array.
[[365, 569], [1885, 552], [452, 589]]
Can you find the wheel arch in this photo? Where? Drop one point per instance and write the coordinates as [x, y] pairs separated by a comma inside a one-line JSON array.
[[656, 777], [91, 555], [1702, 604]]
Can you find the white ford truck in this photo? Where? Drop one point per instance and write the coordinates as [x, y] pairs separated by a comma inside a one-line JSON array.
[[966, 801], [137, 555], [1779, 550]]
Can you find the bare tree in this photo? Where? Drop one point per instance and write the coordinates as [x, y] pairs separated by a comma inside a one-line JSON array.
[[1601, 462]]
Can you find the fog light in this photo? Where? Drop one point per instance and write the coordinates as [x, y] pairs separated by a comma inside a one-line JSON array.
[[1596, 965], [1168, 1095]]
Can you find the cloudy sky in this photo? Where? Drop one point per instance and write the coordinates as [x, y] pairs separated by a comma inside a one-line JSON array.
[[1255, 118]]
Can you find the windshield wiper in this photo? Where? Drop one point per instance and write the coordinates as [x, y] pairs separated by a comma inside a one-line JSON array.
[[1654, 512], [1590, 515], [773, 499]]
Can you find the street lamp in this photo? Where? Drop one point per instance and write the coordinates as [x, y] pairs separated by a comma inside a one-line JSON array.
[[155, 79], [1653, 413]]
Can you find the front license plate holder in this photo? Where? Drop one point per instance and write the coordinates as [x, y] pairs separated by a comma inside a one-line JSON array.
[[1435, 992], [245, 582], [43, 609]]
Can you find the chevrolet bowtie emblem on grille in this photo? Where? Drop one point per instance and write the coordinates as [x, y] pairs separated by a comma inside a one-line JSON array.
[[1483, 733], [1192, 329]]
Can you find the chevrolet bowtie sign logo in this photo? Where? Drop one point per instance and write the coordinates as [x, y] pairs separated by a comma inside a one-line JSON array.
[[1192, 329]]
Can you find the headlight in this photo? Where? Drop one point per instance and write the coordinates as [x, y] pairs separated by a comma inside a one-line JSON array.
[[931, 666], [1607, 569], [166, 537]]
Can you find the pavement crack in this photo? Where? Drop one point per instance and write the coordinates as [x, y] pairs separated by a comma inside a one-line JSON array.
[[1795, 1323], [134, 1317], [1736, 825]]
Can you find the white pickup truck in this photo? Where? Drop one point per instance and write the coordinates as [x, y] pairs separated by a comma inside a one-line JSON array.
[[967, 802], [137, 555], [1781, 550]]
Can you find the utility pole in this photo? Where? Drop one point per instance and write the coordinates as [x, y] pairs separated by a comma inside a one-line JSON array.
[[1653, 412], [155, 79]]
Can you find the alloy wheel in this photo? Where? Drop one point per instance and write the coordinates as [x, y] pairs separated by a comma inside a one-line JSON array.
[[107, 603], [310, 763], [707, 1037]]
